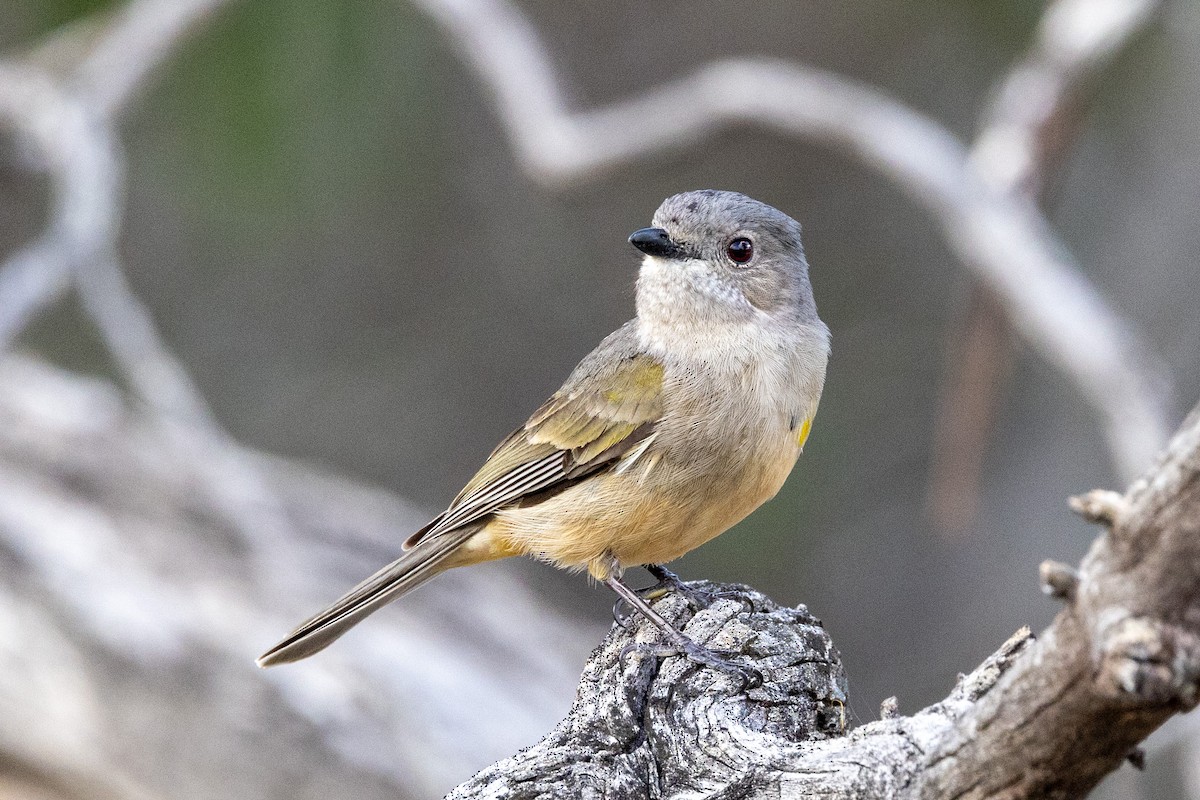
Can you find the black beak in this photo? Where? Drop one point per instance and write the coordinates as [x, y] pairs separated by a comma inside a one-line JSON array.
[[655, 242]]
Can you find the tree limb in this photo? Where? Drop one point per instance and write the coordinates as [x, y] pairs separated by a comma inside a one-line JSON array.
[[1044, 718], [130, 618]]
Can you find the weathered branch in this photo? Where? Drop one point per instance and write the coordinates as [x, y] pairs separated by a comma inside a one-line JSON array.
[[130, 618], [638, 730], [1122, 657], [1045, 718], [66, 120]]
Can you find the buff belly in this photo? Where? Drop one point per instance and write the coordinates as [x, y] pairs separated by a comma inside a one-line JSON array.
[[651, 514]]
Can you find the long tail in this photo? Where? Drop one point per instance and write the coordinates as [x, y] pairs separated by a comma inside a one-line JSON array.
[[406, 573]]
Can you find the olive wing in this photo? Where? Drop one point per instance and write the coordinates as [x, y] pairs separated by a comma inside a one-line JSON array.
[[608, 406]]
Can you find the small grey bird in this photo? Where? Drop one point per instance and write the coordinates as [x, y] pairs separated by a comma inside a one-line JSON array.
[[682, 422]]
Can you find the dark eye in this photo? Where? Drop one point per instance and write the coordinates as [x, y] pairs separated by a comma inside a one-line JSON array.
[[740, 250]]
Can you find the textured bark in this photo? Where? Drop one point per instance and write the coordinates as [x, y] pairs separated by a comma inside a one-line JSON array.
[[1044, 718], [641, 730], [1122, 657]]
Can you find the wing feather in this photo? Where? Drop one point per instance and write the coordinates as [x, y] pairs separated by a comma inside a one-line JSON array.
[[609, 405]]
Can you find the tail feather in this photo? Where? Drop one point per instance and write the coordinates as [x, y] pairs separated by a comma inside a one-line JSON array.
[[406, 573]]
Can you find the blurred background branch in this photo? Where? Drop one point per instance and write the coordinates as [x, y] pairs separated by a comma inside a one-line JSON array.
[[1027, 130], [66, 123], [989, 221], [63, 102], [132, 525], [132, 598]]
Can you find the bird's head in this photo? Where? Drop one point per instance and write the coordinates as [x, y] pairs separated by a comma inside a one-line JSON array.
[[715, 258]]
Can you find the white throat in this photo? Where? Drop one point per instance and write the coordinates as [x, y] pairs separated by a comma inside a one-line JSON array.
[[684, 311]]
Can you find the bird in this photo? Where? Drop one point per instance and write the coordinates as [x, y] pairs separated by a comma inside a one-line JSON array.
[[676, 427]]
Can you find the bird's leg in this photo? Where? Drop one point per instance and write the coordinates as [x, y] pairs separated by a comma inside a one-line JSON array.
[[663, 575], [667, 582], [677, 643], [670, 582]]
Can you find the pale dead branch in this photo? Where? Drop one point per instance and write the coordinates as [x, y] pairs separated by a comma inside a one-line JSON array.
[[1028, 128], [129, 627], [1074, 42], [66, 121], [57, 133], [141, 36]]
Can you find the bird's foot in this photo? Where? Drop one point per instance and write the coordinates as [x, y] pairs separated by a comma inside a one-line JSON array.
[[676, 642], [668, 582], [622, 614], [749, 677]]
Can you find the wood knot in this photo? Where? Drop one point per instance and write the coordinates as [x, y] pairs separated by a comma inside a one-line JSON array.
[[1100, 506], [1152, 662], [1058, 580]]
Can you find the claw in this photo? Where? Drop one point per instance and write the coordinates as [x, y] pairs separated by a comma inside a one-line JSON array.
[[646, 648], [750, 677], [676, 643], [622, 614]]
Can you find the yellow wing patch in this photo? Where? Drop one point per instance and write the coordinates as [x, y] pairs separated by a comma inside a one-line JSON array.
[[589, 416], [600, 412], [609, 405], [802, 436]]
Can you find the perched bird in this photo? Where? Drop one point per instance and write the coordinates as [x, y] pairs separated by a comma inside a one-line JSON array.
[[683, 421]]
